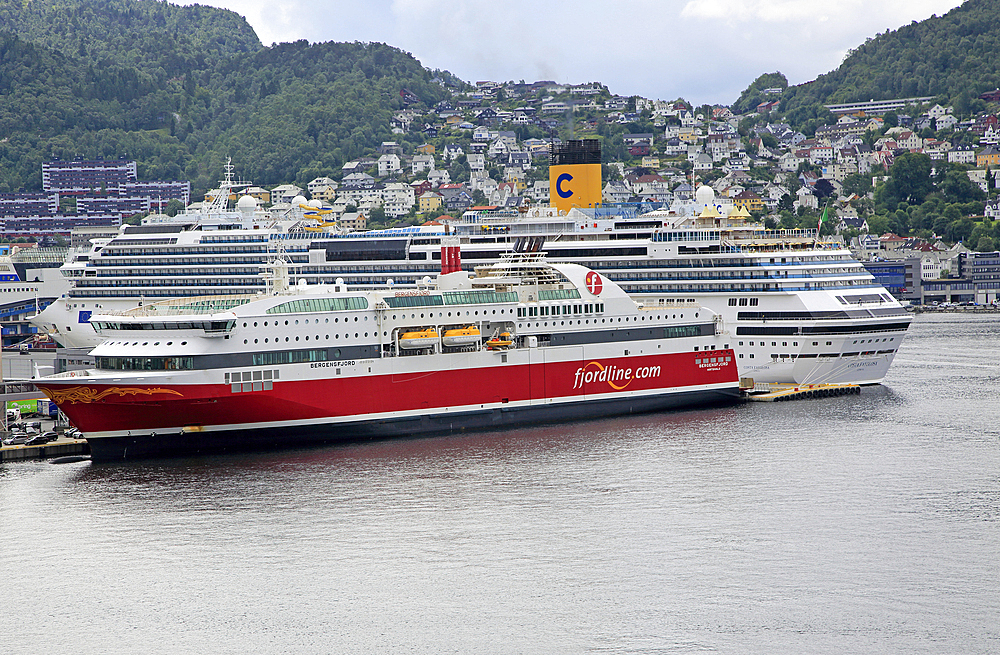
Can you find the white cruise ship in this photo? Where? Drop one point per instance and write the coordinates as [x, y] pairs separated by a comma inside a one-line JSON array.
[[801, 309]]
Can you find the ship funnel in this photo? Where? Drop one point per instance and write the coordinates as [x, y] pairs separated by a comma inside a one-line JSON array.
[[451, 254]]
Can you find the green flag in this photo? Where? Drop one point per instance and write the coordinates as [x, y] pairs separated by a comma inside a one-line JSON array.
[[822, 218]]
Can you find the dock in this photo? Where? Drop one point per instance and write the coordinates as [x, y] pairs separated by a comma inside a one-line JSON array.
[[773, 393], [58, 448]]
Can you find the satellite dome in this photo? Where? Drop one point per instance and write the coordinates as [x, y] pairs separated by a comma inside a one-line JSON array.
[[246, 203], [298, 200], [705, 195], [315, 202]]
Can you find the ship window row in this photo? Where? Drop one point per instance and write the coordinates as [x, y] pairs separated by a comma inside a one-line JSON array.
[[227, 258], [208, 326], [289, 357], [733, 275], [187, 272], [558, 294], [319, 305], [414, 301], [111, 250], [144, 363], [638, 287], [556, 310], [479, 297], [257, 238], [707, 235], [743, 302], [200, 282]]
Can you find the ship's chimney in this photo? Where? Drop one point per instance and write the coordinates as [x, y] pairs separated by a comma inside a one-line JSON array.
[[451, 254]]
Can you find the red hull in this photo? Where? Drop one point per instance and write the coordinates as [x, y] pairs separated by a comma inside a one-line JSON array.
[[119, 408]]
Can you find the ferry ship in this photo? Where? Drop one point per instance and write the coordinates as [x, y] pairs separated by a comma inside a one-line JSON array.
[[803, 309], [520, 340]]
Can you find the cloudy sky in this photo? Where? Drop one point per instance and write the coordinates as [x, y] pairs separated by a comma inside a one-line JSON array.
[[706, 51]]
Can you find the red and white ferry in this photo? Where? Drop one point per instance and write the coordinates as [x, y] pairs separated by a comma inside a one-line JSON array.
[[522, 340]]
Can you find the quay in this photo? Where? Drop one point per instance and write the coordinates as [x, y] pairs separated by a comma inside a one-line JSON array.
[[772, 393], [59, 448]]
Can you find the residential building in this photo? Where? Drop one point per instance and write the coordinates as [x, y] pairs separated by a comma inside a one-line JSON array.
[[388, 165]]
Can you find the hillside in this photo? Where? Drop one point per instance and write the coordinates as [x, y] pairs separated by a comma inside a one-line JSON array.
[[952, 56], [180, 88]]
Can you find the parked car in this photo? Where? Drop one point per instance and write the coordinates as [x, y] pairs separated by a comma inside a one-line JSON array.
[[73, 433], [40, 440], [15, 439]]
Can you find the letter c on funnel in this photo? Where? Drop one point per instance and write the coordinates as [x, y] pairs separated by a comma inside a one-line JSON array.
[[565, 177]]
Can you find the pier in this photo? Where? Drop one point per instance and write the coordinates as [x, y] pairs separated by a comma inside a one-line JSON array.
[[772, 393]]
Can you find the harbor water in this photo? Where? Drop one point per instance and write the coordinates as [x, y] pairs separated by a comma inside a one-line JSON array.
[[856, 524]]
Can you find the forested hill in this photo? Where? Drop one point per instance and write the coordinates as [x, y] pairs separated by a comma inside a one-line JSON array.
[[180, 88], [157, 38], [952, 56]]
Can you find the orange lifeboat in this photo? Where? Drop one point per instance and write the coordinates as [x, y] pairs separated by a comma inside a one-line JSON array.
[[461, 336], [502, 340], [415, 339]]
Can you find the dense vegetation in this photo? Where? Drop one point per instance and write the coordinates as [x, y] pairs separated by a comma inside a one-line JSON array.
[[181, 88]]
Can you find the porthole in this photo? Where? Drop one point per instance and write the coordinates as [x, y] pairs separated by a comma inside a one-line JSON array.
[[156, 343], [170, 343], [255, 341], [145, 343], [245, 341], [184, 343], [255, 323]]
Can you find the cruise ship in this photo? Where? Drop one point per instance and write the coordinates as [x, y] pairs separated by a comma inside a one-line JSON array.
[[521, 340], [802, 309]]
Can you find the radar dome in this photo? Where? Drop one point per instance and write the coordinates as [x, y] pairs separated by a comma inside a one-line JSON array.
[[246, 205], [705, 195], [315, 202], [298, 200]]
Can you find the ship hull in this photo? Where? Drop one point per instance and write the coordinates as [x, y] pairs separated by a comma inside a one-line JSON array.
[[162, 415], [243, 439]]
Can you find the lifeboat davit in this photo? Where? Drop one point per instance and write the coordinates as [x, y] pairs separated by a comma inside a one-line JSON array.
[[502, 340], [461, 336], [418, 339]]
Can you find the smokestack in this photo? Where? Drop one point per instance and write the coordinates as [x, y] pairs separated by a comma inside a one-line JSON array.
[[451, 254]]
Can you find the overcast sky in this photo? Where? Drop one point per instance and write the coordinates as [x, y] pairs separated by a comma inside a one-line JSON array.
[[706, 51]]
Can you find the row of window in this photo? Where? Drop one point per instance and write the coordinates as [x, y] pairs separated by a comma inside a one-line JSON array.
[[556, 310], [319, 305], [144, 363], [291, 357], [208, 326], [743, 302]]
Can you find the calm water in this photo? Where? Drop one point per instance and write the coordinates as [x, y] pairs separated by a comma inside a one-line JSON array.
[[865, 524]]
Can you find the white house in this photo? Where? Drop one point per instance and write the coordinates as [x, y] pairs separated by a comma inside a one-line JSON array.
[[397, 199], [421, 163], [388, 165]]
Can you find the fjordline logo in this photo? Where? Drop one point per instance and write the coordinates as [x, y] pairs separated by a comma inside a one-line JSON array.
[[618, 378]]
